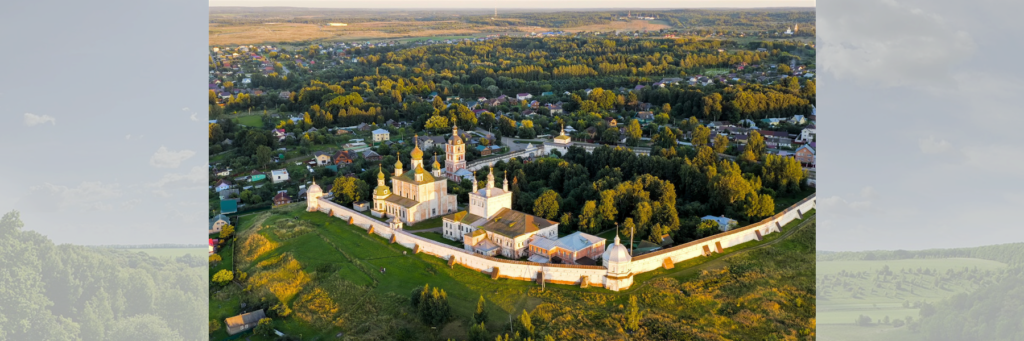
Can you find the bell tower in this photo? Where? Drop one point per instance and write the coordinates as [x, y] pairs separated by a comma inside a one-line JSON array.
[[454, 154]]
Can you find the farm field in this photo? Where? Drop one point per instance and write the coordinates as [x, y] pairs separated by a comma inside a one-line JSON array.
[[851, 332], [251, 120], [299, 258], [833, 267], [849, 289], [174, 252]]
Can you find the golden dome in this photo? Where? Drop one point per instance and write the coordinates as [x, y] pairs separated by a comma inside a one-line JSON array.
[[417, 154]]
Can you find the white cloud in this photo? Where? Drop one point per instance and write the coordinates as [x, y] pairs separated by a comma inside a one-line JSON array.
[[129, 205], [196, 176], [886, 42], [98, 206], [87, 196], [33, 119], [128, 137], [931, 145], [868, 192], [164, 158], [839, 207]]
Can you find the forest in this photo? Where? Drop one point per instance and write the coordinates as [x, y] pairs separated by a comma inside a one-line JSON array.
[[993, 312], [69, 292], [1012, 253]]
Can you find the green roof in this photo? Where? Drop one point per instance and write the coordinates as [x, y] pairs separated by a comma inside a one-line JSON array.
[[228, 206]]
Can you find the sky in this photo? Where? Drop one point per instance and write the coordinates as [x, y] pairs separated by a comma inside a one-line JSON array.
[[919, 122], [105, 119], [519, 4]]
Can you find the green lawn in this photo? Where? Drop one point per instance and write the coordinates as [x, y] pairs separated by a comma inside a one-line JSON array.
[[251, 120], [426, 224], [174, 252], [437, 237], [854, 333]]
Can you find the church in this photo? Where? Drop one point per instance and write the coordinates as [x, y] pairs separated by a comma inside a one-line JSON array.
[[490, 226], [561, 143], [415, 195]]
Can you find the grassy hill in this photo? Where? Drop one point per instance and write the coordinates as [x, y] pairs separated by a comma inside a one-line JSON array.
[[848, 289], [327, 273]]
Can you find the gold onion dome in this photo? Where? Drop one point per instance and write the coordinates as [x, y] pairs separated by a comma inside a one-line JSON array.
[[417, 154], [437, 165], [380, 173], [398, 164]]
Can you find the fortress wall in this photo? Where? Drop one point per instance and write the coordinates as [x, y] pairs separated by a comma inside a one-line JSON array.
[[567, 273], [679, 253]]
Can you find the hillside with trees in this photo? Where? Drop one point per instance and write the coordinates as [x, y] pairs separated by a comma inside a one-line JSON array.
[[69, 292]]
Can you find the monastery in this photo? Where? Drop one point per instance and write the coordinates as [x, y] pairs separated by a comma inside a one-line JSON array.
[[415, 195]]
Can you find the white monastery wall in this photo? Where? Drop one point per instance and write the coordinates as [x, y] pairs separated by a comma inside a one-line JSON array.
[[564, 273]]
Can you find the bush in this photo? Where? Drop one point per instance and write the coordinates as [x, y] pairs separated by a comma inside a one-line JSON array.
[[223, 277], [265, 327], [214, 325]]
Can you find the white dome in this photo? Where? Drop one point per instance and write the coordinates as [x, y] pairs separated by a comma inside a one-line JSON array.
[[617, 253], [315, 189]]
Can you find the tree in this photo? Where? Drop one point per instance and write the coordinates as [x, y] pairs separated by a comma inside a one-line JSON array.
[[264, 327], [783, 68], [438, 124], [587, 221], [262, 156], [546, 205], [666, 108], [634, 132], [223, 277], [759, 206], [707, 228], [721, 143], [144, 327], [184, 313], [755, 144], [478, 332], [22, 293], [140, 292], [347, 190], [438, 103], [525, 326], [632, 315], [700, 137], [480, 316], [226, 231], [610, 136], [214, 325], [486, 120]]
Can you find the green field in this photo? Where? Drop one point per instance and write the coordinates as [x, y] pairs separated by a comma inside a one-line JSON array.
[[849, 289], [174, 252], [251, 120], [833, 267], [847, 316], [851, 332], [306, 257]]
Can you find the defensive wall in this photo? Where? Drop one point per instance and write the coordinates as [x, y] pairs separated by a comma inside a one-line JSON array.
[[566, 273]]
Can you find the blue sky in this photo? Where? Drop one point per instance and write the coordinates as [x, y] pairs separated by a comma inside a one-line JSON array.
[[919, 124], [106, 120], [464, 4]]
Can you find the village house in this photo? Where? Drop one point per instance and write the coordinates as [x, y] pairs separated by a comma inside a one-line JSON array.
[[343, 157], [381, 135], [322, 158], [523, 96], [282, 198], [645, 117], [222, 185], [218, 222], [243, 322], [805, 154], [279, 175], [725, 224]]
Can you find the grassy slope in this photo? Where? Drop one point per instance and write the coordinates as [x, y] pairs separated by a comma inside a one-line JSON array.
[[344, 261]]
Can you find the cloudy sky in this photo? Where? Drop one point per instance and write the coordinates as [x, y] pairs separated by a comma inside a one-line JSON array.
[[456, 4], [920, 124], [104, 106]]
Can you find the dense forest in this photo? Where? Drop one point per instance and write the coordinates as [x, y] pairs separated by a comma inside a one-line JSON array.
[[68, 292], [994, 312], [1004, 253]]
